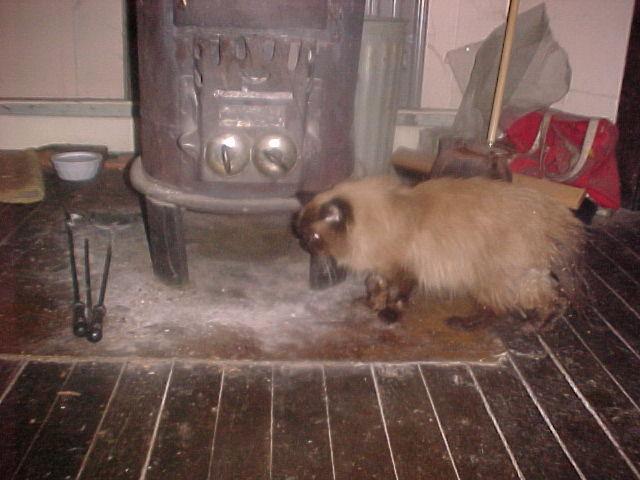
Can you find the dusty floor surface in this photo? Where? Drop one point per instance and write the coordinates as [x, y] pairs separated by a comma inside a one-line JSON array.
[[248, 297]]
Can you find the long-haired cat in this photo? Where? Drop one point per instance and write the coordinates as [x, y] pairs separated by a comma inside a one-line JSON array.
[[510, 248]]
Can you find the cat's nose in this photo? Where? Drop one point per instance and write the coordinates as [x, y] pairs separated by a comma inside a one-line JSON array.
[[311, 241]]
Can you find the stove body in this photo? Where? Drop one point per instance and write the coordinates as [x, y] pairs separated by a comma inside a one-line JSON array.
[[243, 105]]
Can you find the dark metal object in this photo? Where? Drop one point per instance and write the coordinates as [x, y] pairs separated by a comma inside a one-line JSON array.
[[87, 318], [79, 319], [87, 279], [274, 156], [99, 311], [244, 101], [168, 251], [166, 195]]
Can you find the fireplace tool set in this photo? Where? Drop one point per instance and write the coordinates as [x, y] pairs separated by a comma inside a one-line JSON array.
[[87, 317]]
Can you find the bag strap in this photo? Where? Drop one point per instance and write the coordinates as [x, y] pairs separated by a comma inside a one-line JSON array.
[[541, 136], [541, 140], [587, 144]]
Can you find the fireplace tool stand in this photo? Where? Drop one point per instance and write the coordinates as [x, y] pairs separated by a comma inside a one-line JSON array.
[[87, 317]]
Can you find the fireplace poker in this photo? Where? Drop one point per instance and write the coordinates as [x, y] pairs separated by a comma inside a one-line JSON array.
[[98, 311], [79, 318]]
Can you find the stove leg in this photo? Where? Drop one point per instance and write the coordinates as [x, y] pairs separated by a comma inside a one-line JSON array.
[[166, 242], [324, 272]]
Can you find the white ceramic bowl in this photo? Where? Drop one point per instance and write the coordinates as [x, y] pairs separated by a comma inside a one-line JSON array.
[[77, 166]]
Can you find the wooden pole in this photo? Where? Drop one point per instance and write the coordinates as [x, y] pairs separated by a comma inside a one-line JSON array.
[[503, 69]]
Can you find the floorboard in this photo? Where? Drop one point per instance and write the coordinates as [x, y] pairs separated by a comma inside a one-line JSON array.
[[9, 369], [414, 431], [125, 436], [618, 413], [616, 278], [35, 235], [63, 441], [301, 439], [360, 446], [183, 444], [627, 233], [13, 217], [242, 443], [476, 446], [614, 354], [612, 307], [25, 409], [622, 256], [536, 450], [576, 427], [616, 281]]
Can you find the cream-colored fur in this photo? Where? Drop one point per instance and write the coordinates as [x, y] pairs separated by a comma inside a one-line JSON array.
[[485, 238]]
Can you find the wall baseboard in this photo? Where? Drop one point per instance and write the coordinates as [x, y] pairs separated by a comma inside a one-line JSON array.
[[33, 123], [410, 124]]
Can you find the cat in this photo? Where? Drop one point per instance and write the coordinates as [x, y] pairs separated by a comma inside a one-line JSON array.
[[509, 248]]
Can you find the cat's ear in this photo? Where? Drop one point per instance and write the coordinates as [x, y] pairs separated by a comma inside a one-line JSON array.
[[337, 213]]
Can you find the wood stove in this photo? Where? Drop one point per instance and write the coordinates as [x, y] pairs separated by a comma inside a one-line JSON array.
[[245, 105]]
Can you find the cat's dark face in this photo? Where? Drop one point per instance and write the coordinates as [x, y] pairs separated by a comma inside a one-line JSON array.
[[322, 226]]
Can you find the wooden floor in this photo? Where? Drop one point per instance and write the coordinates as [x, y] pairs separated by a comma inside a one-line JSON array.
[[562, 404]]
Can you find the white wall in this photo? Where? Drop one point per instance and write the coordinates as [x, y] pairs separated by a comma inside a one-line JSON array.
[[61, 49], [593, 32], [73, 49]]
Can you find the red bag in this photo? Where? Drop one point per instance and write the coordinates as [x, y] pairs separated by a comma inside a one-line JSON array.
[[579, 151]]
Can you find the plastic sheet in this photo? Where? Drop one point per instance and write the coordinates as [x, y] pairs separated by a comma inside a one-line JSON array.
[[539, 74]]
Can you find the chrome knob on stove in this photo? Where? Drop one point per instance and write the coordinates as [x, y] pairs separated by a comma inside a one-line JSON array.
[[274, 155], [226, 159], [228, 154]]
